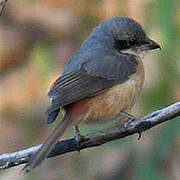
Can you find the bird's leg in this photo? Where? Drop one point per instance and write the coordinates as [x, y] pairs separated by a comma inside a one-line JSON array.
[[78, 137], [130, 118]]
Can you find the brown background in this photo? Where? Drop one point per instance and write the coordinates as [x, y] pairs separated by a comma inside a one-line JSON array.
[[37, 38]]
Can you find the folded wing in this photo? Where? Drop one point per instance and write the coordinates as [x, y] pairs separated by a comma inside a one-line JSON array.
[[92, 78]]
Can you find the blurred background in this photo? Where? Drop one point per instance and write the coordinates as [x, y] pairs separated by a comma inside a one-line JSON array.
[[37, 37]]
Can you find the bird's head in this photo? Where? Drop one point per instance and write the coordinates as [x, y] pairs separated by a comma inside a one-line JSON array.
[[128, 36]]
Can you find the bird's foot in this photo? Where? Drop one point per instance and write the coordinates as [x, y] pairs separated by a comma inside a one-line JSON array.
[[130, 118], [78, 137]]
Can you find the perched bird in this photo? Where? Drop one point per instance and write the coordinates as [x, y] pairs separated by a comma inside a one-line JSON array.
[[100, 82]]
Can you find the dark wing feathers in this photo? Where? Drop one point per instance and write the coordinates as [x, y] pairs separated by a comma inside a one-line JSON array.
[[93, 77], [62, 81], [113, 68], [84, 86]]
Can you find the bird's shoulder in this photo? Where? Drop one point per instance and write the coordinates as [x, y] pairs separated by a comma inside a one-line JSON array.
[[112, 66], [104, 64]]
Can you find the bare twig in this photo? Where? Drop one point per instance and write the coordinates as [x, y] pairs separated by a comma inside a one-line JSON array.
[[69, 145], [3, 5]]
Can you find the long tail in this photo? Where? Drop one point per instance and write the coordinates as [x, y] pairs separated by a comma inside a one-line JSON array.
[[48, 145]]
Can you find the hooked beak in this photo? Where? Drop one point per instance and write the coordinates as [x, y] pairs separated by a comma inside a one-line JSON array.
[[149, 45]]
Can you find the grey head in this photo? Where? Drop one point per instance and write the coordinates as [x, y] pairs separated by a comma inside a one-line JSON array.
[[125, 35], [116, 35]]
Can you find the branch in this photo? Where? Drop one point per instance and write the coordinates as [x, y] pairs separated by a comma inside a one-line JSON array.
[[96, 139], [3, 5]]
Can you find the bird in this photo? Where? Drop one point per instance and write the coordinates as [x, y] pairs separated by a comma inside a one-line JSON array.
[[100, 82]]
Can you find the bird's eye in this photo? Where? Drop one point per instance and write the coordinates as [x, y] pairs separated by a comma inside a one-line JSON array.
[[121, 44]]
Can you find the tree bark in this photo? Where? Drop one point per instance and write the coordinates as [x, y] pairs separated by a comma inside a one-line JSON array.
[[96, 139]]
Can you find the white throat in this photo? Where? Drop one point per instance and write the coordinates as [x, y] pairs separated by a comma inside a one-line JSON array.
[[138, 53]]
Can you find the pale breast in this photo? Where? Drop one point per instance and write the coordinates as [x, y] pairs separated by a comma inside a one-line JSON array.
[[119, 98], [107, 105]]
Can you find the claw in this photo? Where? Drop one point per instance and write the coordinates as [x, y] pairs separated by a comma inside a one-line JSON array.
[[139, 135], [77, 137]]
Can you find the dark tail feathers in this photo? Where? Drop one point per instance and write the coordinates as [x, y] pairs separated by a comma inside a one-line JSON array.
[[51, 115]]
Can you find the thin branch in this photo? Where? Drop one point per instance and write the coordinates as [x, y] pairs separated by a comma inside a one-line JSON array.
[[121, 131], [3, 5]]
